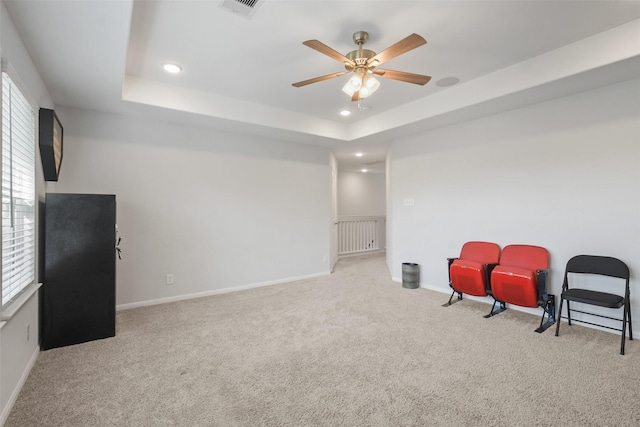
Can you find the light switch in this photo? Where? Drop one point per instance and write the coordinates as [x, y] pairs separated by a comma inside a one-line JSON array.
[[408, 202]]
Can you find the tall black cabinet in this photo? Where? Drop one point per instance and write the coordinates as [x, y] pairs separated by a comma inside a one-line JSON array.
[[79, 287]]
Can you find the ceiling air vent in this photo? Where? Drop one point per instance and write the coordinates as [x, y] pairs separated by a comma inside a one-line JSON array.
[[246, 8]]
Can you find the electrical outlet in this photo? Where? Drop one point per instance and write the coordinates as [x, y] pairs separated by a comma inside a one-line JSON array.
[[28, 332], [325, 258], [169, 279]]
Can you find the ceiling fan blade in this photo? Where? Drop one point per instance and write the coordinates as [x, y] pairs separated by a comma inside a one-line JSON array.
[[319, 79], [418, 79], [405, 45], [323, 48]]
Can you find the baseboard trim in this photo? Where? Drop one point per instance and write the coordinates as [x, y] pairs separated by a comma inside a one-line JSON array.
[[486, 300], [377, 251], [216, 292], [16, 391], [448, 291]]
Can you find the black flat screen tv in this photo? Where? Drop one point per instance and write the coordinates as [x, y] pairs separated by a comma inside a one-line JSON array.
[[51, 133]]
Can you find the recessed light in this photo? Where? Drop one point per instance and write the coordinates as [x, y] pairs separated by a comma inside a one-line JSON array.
[[359, 154], [172, 68], [364, 170], [345, 113]]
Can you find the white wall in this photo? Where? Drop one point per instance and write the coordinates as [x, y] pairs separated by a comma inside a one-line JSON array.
[[563, 174], [218, 211], [17, 351], [361, 194], [389, 217]]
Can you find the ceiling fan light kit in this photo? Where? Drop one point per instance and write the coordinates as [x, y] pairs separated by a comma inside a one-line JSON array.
[[363, 63], [363, 83]]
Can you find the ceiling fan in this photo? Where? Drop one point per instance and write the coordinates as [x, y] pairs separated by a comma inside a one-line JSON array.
[[363, 63]]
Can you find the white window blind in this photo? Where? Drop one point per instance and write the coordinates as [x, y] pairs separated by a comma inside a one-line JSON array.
[[18, 191]]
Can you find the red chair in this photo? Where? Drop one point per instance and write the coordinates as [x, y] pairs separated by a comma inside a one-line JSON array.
[[469, 274], [520, 279]]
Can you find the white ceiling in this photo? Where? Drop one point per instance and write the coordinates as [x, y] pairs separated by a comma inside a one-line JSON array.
[[107, 56]]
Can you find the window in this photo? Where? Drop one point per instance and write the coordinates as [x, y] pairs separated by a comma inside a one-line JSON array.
[[18, 191]]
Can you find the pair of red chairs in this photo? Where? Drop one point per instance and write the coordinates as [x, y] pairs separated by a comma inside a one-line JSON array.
[[516, 275]]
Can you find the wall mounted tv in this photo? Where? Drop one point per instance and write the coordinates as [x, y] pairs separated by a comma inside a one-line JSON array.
[[50, 144]]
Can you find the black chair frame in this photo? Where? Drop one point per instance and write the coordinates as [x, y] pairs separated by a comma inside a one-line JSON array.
[[604, 266], [449, 262], [546, 301]]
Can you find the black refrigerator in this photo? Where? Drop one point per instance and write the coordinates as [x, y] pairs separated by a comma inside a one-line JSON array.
[[78, 294]]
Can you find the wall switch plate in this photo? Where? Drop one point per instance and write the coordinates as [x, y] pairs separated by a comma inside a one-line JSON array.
[[169, 279], [408, 202]]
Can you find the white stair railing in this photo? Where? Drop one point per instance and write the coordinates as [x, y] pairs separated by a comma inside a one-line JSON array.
[[360, 234]]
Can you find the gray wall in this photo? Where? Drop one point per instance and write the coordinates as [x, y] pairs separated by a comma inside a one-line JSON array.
[[563, 174], [361, 194], [216, 210]]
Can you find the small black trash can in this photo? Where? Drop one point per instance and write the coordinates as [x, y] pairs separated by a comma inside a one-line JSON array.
[[410, 275]]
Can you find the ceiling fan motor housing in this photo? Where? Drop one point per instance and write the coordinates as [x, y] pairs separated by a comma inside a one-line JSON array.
[[360, 37], [360, 56]]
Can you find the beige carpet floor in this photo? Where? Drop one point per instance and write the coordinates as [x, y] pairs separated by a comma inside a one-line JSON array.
[[350, 349]]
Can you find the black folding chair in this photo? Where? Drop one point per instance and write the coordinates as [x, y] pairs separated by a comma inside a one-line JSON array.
[[604, 266]]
